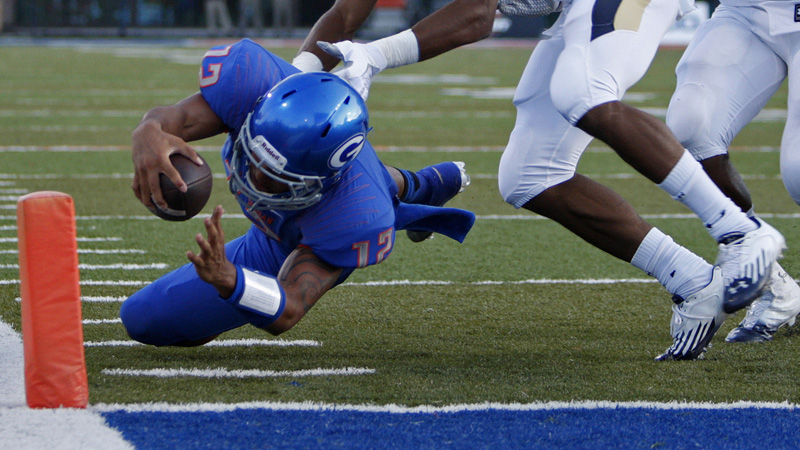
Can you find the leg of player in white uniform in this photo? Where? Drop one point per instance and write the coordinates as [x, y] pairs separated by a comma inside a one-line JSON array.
[[725, 77], [542, 154], [588, 75]]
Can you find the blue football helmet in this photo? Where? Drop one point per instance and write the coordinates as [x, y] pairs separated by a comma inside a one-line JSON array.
[[303, 133]]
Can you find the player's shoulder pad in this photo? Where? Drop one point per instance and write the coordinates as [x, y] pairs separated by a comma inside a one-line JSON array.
[[221, 57], [233, 77]]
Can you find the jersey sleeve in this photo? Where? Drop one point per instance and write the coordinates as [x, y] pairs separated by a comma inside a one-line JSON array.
[[234, 77]]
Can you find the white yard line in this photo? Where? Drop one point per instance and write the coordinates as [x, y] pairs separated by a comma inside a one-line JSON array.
[[590, 281], [78, 239], [220, 343], [237, 373], [101, 322], [117, 251], [105, 266], [94, 282]]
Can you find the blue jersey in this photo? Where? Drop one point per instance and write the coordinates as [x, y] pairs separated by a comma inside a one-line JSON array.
[[353, 225]]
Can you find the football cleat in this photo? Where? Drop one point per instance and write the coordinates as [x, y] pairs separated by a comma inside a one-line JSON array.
[[778, 305], [746, 260], [696, 320], [448, 179]]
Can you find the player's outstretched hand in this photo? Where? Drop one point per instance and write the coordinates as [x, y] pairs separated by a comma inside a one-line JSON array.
[[211, 263], [361, 63], [151, 150]]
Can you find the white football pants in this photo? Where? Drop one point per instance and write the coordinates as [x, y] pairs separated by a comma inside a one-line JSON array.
[[596, 51]]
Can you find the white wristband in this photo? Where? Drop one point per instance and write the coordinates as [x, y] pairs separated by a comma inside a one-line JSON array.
[[307, 62], [399, 49], [262, 294]]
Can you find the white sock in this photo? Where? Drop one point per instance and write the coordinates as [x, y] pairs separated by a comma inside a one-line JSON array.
[[690, 185], [680, 271]]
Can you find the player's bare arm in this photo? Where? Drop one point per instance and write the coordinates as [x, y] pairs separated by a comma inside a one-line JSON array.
[[339, 23], [165, 130], [305, 279], [458, 23]]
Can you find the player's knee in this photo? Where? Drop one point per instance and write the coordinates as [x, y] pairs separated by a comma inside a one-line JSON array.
[[140, 324], [573, 100], [794, 192], [687, 115], [516, 185], [509, 186], [792, 183], [793, 188], [522, 177]]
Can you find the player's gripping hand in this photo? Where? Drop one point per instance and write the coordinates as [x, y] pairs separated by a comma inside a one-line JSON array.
[[151, 150], [211, 263], [361, 63]]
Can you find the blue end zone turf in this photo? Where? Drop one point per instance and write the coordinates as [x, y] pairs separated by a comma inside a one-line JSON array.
[[564, 428]]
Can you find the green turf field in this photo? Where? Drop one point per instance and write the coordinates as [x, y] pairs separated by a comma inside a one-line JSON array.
[[508, 316]]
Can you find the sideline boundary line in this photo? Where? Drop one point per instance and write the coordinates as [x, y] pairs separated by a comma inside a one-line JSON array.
[[429, 409]]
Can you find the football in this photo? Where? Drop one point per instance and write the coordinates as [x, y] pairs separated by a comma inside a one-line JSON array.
[[185, 205]]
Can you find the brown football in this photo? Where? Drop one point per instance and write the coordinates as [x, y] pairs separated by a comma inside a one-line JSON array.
[[185, 205]]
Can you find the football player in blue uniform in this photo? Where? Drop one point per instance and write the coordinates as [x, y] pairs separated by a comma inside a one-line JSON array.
[[298, 161]]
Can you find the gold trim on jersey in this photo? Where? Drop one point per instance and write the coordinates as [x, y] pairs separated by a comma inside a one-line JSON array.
[[629, 15]]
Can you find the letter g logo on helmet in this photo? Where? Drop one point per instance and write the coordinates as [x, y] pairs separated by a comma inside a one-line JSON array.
[[346, 152]]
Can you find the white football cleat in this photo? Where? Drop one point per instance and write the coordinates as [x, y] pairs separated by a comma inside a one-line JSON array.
[[746, 260], [696, 320], [778, 305]]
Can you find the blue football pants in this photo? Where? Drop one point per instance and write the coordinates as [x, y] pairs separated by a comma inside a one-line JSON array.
[[181, 307]]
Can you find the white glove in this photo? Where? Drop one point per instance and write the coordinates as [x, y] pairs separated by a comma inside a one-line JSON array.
[[361, 63]]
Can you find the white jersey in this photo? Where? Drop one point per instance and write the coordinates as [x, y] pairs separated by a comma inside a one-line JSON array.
[[784, 15], [751, 2]]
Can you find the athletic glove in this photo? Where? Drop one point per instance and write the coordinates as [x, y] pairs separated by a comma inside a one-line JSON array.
[[361, 63]]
